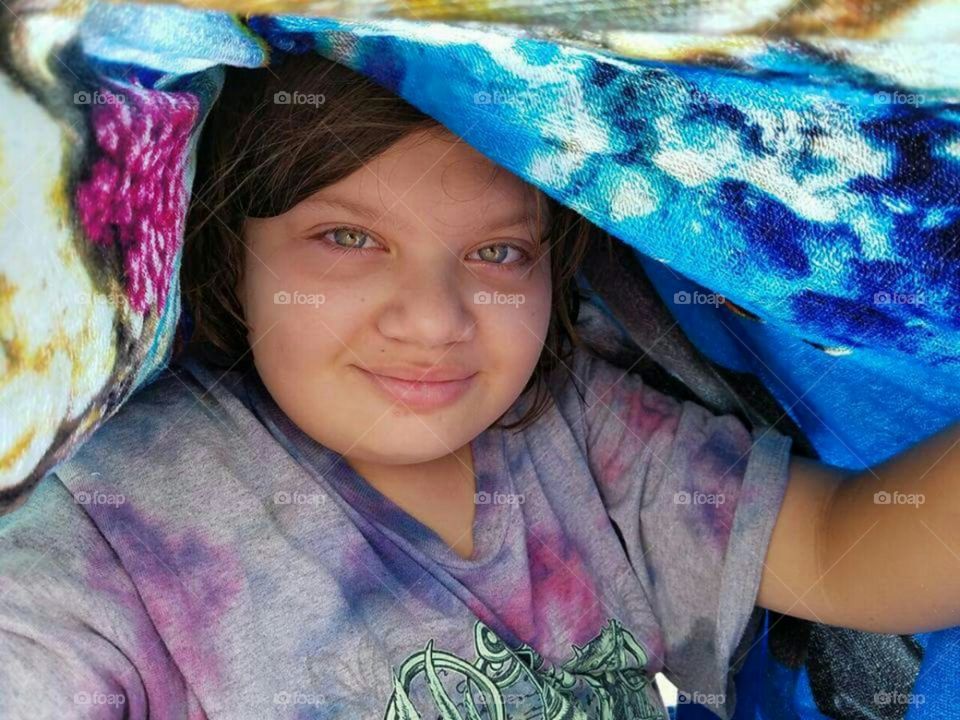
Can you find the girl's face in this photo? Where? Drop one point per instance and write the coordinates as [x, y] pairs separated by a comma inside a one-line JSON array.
[[421, 264]]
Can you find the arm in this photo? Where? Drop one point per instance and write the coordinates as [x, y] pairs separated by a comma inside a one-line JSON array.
[[74, 641], [877, 550]]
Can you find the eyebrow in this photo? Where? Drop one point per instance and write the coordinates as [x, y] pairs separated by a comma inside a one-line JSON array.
[[356, 208], [496, 223]]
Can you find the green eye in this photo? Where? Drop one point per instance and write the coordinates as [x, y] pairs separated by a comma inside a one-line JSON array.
[[497, 255], [349, 238], [494, 256]]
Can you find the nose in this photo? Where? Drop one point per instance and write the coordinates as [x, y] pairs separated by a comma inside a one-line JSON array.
[[429, 308]]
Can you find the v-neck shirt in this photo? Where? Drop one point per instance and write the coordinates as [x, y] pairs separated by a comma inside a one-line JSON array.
[[200, 555]]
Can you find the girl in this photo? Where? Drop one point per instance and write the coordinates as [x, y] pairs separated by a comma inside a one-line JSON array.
[[389, 480]]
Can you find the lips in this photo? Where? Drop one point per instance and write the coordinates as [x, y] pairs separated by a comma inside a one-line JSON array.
[[422, 373], [421, 395]]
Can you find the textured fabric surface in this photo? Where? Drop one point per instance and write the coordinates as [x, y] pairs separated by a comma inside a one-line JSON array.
[[188, 578]]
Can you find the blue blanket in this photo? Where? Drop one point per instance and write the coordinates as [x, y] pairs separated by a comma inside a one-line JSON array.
[[792, 196]]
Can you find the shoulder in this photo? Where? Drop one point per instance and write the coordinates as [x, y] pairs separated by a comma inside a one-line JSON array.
[[50, 512], [594, 382], [177, 421], [147, 417], [569, 383], [49, 546], [605, 366]]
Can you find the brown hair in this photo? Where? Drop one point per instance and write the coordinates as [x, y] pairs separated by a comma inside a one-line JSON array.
[[258, 158]]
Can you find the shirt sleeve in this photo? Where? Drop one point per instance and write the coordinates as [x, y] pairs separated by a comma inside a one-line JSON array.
[[75, 641], [696, 497]]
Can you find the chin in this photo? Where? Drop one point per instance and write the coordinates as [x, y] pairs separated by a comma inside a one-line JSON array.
[[415, 443], [401, 456]]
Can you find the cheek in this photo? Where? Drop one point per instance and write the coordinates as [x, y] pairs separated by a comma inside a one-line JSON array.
[[516, 324], [536, 307], [299, 319]]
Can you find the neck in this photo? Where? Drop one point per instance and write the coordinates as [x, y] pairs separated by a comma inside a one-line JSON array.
[[440, 493], [442, 473]]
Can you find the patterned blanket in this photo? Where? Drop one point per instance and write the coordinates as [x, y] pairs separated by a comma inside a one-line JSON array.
[[784, 177]]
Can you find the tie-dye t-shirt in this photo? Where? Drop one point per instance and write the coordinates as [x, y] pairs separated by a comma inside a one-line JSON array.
[[200, 556]]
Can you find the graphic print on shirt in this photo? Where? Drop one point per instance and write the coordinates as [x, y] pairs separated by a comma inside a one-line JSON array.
[[604, 679]]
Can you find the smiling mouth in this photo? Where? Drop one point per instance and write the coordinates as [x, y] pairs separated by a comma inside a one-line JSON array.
[[418, 395]]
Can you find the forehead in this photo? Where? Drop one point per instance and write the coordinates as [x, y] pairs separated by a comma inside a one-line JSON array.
[[435, 169]]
